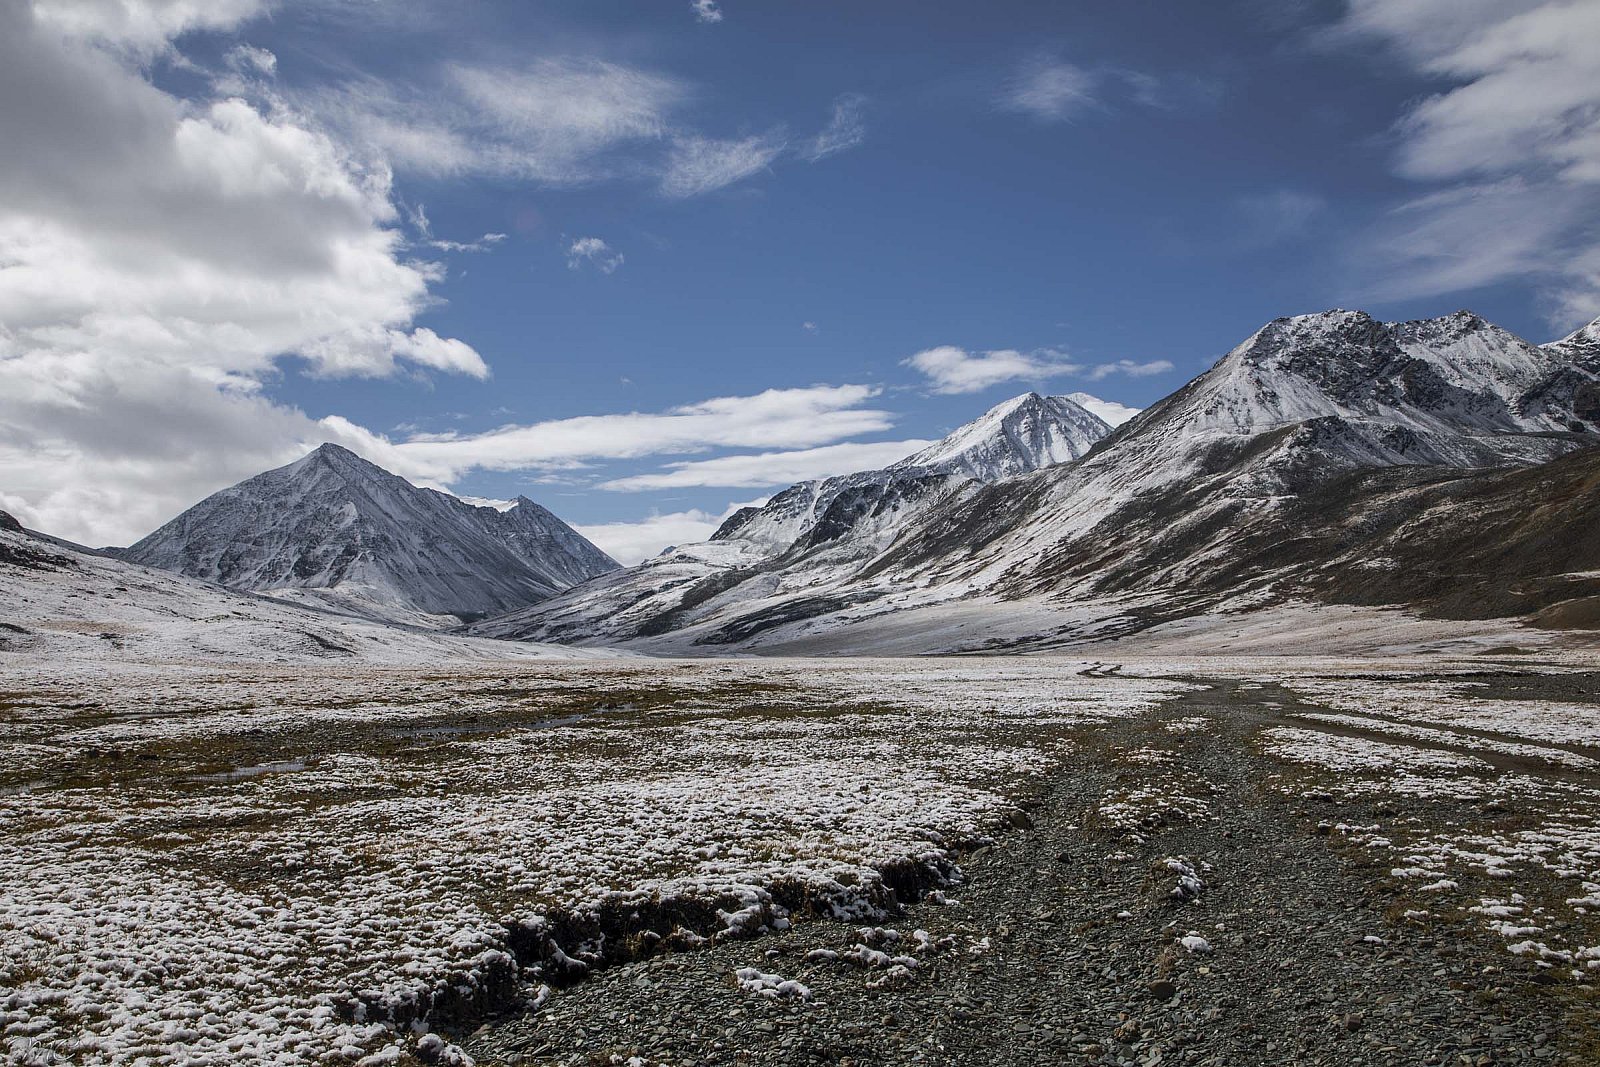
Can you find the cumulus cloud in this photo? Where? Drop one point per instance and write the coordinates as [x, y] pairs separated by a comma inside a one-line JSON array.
[[758, 470], [1113, 413], [782, 418], [141, 27], [593, 252], [1511, 148], [160, 259], [706, 10], [844, 131], [697, 165]]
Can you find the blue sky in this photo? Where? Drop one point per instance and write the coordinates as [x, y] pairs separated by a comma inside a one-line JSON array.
[[465, 238]]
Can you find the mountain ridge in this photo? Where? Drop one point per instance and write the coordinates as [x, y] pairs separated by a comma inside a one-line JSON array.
[[338, 530], [813, 528], [1213, 495]]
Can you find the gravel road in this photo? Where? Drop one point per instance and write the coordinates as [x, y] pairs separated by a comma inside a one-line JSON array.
[[1158, 903]]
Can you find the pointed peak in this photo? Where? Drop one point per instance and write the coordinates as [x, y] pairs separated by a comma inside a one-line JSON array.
[[332, 454], [1583, 335]]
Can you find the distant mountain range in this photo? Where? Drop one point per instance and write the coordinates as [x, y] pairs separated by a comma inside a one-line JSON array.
[[333, 530], [1444, 465], [1331, 457], [814, 534]]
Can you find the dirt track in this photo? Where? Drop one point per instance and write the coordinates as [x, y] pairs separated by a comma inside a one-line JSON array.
[[1066, 942]]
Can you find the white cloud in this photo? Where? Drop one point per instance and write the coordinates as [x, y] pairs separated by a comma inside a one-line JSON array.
[[1050, 90], [594, 252], [1511, 147], [1113, 413], [697, 165], [755, 471], [844, 131], [706, 10], [251, 61], [1128, 367], [159, 259], [781, 418], [554, 120], [953, 370], [143, 27], [482, 244], [631, 542]]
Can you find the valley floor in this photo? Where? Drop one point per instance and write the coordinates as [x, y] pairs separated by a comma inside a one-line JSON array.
[[945, 861]]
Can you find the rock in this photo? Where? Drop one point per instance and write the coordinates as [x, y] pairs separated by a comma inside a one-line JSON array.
[[1162, 988], [1352, 1021]]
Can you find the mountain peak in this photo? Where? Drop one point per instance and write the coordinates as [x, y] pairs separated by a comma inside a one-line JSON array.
[[1023, 433], [359, 539]]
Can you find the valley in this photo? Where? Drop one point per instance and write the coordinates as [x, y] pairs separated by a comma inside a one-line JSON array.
[[1157, 859]]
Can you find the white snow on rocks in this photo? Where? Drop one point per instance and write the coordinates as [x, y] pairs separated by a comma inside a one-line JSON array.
[[440, 828]]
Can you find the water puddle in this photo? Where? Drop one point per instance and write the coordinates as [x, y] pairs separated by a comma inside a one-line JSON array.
[[240, 773]]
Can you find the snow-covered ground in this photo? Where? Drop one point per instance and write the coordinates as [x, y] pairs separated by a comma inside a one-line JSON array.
[[315, 865], [59, 604], [1522, 814]]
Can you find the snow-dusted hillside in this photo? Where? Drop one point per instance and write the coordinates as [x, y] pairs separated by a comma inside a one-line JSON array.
[[336, 531], [1319, 438], [59, 605], [812, 533]]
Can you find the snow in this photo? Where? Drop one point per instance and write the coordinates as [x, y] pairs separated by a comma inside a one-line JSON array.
[[331, 909], [338, 532], [80, 607], [813, 533], [1309, 396]]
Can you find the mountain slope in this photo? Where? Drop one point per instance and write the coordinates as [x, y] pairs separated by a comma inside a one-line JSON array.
[[811, 533], [60, 605], [336, 530], [1326, 456]]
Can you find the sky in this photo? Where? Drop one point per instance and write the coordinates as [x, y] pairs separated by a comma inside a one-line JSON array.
[[647, 262]]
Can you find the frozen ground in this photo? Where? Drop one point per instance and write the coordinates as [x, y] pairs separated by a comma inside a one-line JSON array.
[[362, 863]]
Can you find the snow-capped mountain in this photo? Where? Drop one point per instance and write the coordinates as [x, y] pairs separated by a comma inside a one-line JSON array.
[[337, 531], [61, 603], [1325, 457], [1019, 435], [812, 532]]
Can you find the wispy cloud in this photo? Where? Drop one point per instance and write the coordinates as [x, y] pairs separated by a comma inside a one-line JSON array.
[[759, 470], [697, 165], [1128, 367], [844, 131], [593, 252], [1511, 148], [782, 418], [1277, 215], [1050, 89], [554, 120], [706, 10], [633, 542], [952, 370]]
